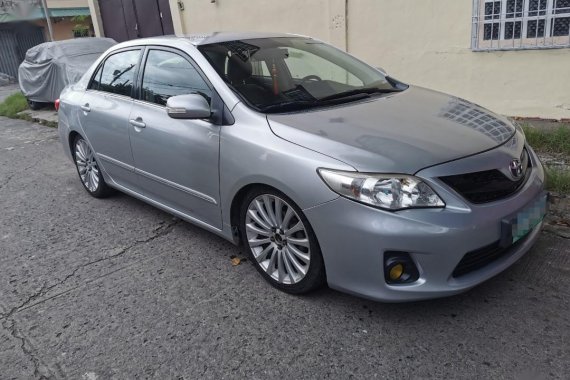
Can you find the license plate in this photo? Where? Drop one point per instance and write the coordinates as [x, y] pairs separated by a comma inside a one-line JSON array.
[[518, 226]]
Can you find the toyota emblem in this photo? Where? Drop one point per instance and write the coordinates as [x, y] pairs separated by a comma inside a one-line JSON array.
[[516, 168]]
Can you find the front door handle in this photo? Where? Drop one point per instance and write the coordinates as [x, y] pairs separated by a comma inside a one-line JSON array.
[[137, 123], [86, 107]]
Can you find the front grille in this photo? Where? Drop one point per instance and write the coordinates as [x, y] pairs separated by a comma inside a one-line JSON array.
[[487, 186], [481, 257]]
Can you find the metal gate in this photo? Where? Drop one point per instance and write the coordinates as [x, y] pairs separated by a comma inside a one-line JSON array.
[[129, 19], [15, 40]]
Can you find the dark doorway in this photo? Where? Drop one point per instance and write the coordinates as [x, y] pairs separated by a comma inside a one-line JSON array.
[[129, 19]]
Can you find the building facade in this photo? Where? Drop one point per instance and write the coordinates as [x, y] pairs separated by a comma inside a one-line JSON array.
[[69, 18], [512, 56], [23, 25]]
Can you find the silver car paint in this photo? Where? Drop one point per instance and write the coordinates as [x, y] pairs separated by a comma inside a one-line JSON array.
[[398, 133], [107, 130], [177, 161], [352, 236]]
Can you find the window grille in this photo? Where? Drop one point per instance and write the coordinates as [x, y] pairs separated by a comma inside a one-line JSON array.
[[520, 24]]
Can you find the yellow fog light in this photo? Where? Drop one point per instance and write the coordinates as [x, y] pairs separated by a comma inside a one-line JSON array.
[[396, 272]]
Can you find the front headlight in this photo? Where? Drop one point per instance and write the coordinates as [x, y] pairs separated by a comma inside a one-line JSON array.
[[387, 191]]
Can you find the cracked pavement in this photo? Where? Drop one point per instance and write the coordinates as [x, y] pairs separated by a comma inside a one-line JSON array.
[[116, 289]]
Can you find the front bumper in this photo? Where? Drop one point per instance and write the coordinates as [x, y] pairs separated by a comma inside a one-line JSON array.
[[353, 238]]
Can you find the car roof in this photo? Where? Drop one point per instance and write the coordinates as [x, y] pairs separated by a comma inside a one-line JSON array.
[[205, 38]]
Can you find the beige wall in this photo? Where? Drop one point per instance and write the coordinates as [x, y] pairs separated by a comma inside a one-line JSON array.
[[425, 42], [62, 30], [322, 19], [67, 3]]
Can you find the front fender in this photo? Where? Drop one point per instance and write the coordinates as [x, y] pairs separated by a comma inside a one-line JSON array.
[[251, 154]]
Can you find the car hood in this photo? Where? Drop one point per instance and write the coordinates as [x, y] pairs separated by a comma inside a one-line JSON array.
[[398, 133]]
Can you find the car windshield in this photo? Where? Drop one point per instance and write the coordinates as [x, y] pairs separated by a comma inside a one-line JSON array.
[[294, 73]]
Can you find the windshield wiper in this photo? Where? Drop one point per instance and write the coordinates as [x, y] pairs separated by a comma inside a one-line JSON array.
[[358, 91], [292, 105], [341, 97], [296, 105]]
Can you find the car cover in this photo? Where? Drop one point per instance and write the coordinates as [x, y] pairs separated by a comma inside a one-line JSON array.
[[51, 66]]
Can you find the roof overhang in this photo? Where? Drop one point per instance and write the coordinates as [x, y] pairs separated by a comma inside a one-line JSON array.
[[38, 14]]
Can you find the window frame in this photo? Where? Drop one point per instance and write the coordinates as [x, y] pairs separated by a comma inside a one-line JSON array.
[[101, 65], [523, 42], [221, 115], [138, 95]]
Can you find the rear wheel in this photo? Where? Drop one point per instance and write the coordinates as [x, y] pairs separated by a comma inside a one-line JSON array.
[[35, 105], [281, 242], [88, 169]]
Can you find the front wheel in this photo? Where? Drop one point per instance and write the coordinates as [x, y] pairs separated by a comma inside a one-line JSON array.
[[88, 169], [281, 242]]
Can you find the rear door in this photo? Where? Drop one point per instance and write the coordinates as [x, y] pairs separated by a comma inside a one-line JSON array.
[[105, 108], [176, 160]]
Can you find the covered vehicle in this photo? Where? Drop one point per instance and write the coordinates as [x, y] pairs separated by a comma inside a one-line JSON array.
[[49, 67]]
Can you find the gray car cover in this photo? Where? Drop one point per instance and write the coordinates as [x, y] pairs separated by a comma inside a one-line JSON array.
[[51, 66]]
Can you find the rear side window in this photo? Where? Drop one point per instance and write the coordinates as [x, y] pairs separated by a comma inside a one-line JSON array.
[[117, 73], [168, 74]]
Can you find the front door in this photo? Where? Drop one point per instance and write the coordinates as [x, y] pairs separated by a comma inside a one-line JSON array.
[[105, 108], [176, 160]]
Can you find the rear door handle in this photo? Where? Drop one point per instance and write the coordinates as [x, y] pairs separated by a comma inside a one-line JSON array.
[[137, 123], [86, 107]]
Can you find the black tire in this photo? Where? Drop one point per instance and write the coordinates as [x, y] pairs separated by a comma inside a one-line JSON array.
[[315, 276], [101, 190], [35, 105]]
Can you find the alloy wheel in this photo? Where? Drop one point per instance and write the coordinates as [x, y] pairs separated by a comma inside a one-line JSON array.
[[278, 239], [86, 165]]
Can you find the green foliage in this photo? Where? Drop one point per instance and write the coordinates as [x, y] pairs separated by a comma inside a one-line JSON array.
[[549, 140], [80, 19], [13, 104], [558, 180], [82, 26]]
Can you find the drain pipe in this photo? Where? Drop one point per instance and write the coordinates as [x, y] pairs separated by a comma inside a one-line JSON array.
[[48, 19]]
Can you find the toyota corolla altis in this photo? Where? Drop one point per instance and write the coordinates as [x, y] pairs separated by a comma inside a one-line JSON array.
[[325, 169]]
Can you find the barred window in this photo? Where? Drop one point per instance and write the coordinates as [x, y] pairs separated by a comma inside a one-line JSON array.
[[520, 24]]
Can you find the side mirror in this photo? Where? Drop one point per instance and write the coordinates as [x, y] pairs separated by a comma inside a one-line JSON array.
[[191, 106]]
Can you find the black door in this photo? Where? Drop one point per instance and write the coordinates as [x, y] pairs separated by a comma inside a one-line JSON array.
[[129, 19], [166, 16]]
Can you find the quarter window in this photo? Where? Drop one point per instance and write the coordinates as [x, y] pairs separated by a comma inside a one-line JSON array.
[[168, 74], [520, 24], [117, 73]]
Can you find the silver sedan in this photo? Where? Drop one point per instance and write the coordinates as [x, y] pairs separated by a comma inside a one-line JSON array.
[[325, 169]]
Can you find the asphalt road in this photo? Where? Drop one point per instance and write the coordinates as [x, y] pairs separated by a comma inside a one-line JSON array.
[[116, 289]]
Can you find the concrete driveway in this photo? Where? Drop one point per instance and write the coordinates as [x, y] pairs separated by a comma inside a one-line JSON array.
[[115, 289]]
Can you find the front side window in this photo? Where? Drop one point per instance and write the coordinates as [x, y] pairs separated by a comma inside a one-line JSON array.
[[293, 73], [116, 75], [168, 74], [520, 24]]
